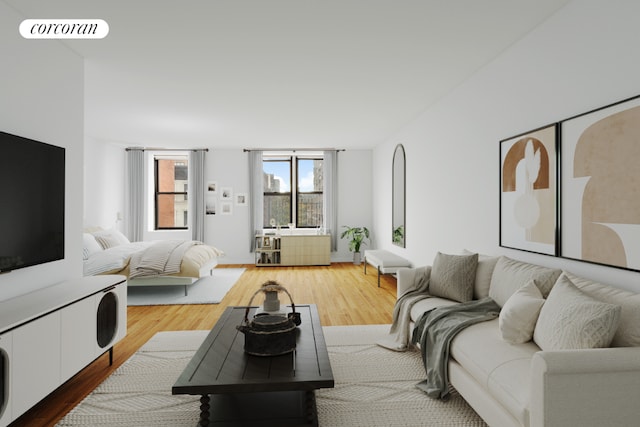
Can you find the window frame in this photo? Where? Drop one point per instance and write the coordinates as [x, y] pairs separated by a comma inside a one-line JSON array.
[[294, 179], [280, 159], [299, 192], [158, 193]]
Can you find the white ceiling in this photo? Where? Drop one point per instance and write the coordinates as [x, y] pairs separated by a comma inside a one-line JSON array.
[[279, 73]]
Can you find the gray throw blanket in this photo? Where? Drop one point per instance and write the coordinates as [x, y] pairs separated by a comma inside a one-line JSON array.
[[436, 329], [164, 257], [399, 333]]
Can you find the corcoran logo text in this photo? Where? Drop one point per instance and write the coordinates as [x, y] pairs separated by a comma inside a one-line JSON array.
[[64, 29]]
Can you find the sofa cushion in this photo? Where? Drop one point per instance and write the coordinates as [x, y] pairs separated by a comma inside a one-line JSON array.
[[520, 313], [628, 333], [428, 304], [571, 319], [510, 275], [484, 271], [453, 276], [501, 367]]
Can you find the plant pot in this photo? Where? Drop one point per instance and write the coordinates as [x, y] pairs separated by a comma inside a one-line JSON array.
[[357, 258]]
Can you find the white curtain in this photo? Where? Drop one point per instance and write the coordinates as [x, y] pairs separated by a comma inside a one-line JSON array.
[[256, 193], [135, 197], [197, 171], [330, 205]]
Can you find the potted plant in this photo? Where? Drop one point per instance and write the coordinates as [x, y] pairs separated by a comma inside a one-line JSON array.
[[398, 234], [356, 236]]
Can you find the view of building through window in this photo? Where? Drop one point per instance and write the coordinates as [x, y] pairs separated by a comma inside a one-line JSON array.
[[284, 201], [172, 178]]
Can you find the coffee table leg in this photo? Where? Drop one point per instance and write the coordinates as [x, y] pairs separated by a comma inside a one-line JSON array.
[[204, 410]]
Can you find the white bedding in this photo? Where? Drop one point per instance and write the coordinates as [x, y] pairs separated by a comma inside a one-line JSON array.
[[112, 259], [110, 252]]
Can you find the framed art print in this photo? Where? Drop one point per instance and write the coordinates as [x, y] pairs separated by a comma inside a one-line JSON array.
[[600, 186], [226, 208], [226, 193], [528, 190], [210, 206], [241, 199]]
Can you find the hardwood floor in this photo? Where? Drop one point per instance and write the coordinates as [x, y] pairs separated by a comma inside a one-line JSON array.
[[343, 294]]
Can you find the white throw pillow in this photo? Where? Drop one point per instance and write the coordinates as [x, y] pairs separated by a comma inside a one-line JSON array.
[[520, 313], [453, 276], [110, 238], [89, 245], [571, 319]]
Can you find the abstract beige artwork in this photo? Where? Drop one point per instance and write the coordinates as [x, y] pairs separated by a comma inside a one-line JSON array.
[[528, 191], [601, 186]]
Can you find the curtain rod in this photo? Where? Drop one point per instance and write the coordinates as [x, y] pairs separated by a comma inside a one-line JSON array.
[[164, 149], [292, 149]]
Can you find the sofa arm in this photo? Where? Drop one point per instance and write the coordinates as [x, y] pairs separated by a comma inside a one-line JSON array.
[[409, 278], [594, 387]]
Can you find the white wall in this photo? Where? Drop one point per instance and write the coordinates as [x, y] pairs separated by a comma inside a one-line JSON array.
[[230, 233], [104, 183], [585, 56], [104, 194], [233, 233], [41, 87], [355, 198]]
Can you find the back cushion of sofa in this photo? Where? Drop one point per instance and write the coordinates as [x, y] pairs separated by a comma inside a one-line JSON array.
[[484, 271], [510, 275], [628, 332]]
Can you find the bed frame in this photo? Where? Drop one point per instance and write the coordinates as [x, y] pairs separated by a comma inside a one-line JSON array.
[[205, 270]]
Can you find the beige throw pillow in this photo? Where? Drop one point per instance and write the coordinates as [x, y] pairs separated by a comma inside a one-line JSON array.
[[520, 313], [453, 276], [571, 319], [628, 333], [110, 238]]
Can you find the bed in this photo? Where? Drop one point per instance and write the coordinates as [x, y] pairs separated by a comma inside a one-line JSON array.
[[157, 263]]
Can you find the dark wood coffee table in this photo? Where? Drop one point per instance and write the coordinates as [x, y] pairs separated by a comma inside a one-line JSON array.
[[238, 389]]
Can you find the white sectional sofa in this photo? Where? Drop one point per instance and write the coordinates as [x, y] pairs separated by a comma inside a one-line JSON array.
[[531, 366]]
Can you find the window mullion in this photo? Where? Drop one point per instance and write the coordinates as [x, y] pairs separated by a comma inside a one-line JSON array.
[[294, 189]]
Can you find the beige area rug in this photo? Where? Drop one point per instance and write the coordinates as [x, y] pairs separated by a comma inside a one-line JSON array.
[[374, 387]]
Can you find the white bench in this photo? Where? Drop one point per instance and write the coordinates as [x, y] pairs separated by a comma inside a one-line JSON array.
[[384, 261]]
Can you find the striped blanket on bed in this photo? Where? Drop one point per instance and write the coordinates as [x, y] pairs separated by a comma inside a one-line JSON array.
[[162, 258]]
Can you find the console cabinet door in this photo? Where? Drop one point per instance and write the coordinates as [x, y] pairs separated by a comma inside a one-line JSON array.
[[111, 315], [78, 323], [35, 362], [121, 291], [6, 341]]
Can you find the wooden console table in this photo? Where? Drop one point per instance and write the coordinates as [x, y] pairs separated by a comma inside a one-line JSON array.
[[291, 250]]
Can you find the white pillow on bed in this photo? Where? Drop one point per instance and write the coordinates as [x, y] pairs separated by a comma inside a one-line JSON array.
[[89, 245], [110, 238]]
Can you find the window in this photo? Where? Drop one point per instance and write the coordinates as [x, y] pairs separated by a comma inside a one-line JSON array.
[[171, 186], [301, 203], [309, 194]]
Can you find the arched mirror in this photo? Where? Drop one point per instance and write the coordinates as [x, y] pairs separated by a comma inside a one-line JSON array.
[[398, 196]]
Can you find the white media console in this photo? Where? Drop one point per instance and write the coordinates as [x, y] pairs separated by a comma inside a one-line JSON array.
[[49, 335]]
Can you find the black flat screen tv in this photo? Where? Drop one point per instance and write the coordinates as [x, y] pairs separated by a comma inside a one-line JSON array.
[[32, 179]]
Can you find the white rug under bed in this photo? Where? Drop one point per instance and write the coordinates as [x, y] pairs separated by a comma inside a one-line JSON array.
[[206, 290]]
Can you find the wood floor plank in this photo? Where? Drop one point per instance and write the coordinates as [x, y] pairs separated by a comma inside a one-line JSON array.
[[343, 293]]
